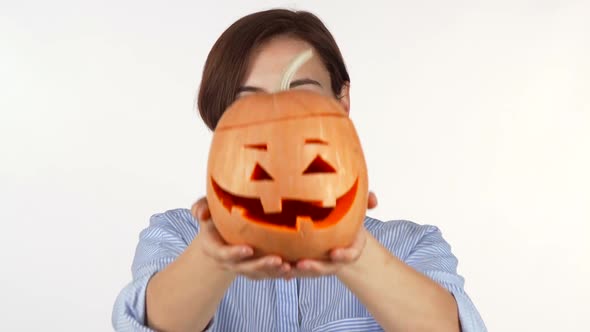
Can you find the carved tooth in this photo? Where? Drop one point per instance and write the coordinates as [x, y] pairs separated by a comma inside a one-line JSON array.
[[304, 224], [271, 204], [329, 202], [237, 210]]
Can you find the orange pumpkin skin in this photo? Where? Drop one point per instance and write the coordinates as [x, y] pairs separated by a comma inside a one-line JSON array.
[[287, 175]]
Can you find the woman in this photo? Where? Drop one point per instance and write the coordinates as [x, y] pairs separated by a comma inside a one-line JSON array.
[[397, 275]]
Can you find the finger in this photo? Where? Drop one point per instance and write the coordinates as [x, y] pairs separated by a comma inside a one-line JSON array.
[[313, 268], [344, 255], [264, 273], [285, 269], [260, 267], [372, 201], [195, 209], [230, 254]]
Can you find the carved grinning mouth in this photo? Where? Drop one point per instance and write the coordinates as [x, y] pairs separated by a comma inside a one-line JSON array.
[[292, 210]]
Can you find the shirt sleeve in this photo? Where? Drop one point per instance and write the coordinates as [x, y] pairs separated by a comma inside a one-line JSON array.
[[432, 256], [160, 243]]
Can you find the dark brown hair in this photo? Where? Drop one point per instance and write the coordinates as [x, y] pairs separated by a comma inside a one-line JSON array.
[[227, 61]]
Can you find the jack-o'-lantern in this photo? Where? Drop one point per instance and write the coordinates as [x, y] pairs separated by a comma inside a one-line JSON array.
[[287, 175]]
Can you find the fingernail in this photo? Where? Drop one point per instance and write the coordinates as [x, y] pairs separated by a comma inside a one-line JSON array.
[[245, 251]]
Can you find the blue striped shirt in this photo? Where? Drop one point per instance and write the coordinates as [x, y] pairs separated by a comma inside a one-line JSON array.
[[305, 304]]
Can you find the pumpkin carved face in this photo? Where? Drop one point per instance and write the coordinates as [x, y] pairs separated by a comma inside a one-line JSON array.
[[287, 175]]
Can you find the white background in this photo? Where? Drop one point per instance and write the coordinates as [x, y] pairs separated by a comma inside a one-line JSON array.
[[474, 116]]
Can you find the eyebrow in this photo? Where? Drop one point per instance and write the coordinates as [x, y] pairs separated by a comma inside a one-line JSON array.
[[295, 83], [304, 81], [249, 89]]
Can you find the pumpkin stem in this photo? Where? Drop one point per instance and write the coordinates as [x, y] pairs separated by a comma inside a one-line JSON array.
[[293, 67]]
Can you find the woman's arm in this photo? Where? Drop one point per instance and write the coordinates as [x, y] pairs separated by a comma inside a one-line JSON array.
[[419, 291], [185, 295], [399, 297], [170, 276], [181, 271]]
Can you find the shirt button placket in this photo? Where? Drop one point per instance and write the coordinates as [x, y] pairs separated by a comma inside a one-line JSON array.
[[287, 314]]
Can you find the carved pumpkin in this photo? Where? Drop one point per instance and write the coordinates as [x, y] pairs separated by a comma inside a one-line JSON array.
[[287, 175]]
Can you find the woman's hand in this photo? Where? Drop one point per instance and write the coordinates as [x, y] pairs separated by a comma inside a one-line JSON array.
[[339, 257], [234, 258], [237, 258]]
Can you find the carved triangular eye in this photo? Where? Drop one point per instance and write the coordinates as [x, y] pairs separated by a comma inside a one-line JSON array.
[[319, 165], [260, 173]]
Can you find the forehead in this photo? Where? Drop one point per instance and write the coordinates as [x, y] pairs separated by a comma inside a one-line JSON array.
[[272, 58], [291, 132]]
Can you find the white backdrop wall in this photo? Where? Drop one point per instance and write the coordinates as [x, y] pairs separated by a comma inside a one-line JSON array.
[[474, 116]]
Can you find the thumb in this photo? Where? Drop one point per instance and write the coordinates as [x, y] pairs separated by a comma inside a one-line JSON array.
[[200, 210], [372, 201]]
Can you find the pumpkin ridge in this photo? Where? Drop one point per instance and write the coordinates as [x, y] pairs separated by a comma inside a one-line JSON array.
[[286, 118]]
